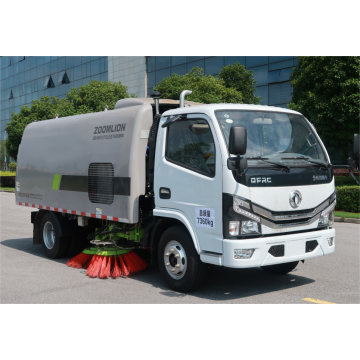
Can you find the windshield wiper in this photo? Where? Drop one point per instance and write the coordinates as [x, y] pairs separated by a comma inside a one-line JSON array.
[[270, 162], [321, 165]]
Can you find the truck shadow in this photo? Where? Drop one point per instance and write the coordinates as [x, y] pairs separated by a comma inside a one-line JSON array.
[[224, 284], [221, 284], [25, 245]]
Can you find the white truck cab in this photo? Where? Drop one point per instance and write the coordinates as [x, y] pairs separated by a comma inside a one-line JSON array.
[[269, 205]]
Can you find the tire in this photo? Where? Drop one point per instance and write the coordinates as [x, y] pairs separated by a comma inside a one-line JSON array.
[[191, 271], [280, 269], [53, 244]]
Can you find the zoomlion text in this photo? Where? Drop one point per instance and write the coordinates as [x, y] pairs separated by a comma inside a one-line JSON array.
[[109, 129]]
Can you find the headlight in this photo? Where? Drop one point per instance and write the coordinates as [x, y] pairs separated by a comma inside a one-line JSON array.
[[237, 203], [327, 216], [247, 227]]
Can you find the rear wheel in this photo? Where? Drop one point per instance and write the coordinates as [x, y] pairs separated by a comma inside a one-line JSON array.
[[53, 244], [280, 269], [179, 263]]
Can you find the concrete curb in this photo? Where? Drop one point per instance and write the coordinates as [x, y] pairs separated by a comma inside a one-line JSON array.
[[9, 191], [347, 220]]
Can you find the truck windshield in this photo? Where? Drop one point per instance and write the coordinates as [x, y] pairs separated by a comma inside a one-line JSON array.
[[274, 136]]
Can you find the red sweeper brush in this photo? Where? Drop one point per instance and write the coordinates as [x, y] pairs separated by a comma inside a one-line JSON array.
[[108, 262]]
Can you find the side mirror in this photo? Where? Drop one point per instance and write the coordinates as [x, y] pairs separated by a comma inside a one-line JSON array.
[[238, 140], [356, 145], [237, 163]]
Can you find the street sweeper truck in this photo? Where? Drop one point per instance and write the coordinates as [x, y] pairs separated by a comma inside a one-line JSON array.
[[178, 184]]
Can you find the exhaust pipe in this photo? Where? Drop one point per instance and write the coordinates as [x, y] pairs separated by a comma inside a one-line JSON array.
[[182, 97], [156, 96]]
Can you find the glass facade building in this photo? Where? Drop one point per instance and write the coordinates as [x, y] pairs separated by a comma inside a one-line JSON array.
[[26, 78], [271, 72]]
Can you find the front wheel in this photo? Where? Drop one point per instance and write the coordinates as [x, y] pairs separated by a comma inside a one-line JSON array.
[[280, 269], [179, 263]]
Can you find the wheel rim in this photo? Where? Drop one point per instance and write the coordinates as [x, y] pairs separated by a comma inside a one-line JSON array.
[[49, 235], [175, 260]]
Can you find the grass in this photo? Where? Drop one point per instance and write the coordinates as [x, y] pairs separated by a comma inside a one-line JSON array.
[[7, 173], [7, 188], [344, 214], [345, 180]]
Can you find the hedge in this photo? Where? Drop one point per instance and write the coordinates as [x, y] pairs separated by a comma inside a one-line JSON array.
[[7, 181], [345, 181], [347, 198], [7, 178]]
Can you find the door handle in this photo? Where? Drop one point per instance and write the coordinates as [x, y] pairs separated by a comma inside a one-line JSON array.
[[165, 193]]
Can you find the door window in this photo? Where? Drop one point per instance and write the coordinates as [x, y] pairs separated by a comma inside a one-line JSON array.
[[190, 144]]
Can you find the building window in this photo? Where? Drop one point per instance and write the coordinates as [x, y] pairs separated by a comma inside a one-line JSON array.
[[252, 61], [11, 95], [279, 75], [214, 65], [49, 83], [162, 62], [285, 74], [273, 76], [63, 78], [280, 93]]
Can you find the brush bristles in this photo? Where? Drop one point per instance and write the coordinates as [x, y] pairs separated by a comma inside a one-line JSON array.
[[95, 266], [135, 262], [79, 261], [105, 267], [124, 268], [116, 269]]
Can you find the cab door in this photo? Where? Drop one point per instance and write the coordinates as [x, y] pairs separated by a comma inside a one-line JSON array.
[[188, 176]]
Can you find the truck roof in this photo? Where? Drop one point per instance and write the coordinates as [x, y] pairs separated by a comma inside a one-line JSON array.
[[210, 108], [128, 102]]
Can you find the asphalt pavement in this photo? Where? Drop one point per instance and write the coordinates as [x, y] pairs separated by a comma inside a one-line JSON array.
[[27, 276]]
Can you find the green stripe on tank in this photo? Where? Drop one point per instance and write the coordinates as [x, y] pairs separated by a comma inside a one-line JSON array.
[[56, 182]]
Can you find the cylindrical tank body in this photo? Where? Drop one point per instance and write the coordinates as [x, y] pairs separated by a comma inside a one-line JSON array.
[[90, 164]]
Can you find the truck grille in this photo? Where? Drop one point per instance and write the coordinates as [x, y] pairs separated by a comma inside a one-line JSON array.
[[311, 245], [101, 183], [277, 250]]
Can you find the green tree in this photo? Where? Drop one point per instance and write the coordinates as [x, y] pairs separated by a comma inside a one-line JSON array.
[[87, 99], [93, 97], [326, 91], [12, 166], [205, 89], [3, 154], [237, 77]]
